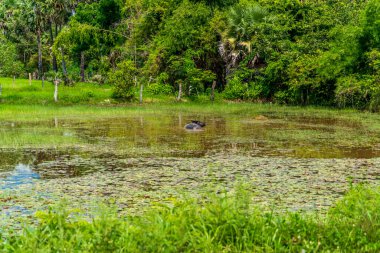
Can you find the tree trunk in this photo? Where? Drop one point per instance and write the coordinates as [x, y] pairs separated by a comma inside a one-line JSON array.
[[141, 92], [64, 70], [54, 60], [39, 44], [213, 91], [56, 90], [82, 62], [179, 91]]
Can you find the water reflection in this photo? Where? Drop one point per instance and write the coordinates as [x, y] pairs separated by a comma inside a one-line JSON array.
[[22, 175], [163, 135], [244, 135]]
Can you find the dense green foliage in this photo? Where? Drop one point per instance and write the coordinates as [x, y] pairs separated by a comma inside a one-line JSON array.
[[123, 79], [223, 223], [293, 52]]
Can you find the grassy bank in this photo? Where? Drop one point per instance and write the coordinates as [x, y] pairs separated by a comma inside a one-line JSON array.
[[20, 92], [24, 111], [222, 223], [23, 101]]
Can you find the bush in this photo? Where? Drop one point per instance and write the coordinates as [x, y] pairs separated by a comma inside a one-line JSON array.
[[283, 97], [50, 76], [374, 104], [238, 89], [357, 92], [73, 74], [98, 79], [235, 89], [123, 80], [9, 65], [159, 89]]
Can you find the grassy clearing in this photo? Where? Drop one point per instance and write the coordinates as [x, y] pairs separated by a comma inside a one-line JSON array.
[[21, 92], [221, 223]]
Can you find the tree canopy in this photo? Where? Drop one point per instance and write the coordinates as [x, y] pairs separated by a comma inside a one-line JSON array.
[[286, 51]]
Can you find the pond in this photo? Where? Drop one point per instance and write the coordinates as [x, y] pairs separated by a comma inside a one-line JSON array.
[[292, 162]]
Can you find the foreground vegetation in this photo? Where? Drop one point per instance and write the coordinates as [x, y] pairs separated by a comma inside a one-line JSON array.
[[222, 223]]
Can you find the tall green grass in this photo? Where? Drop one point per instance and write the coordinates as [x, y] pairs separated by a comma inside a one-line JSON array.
[[21, 92], [221, 223]]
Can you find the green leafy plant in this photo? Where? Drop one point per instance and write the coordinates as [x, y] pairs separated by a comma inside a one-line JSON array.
[[123, 79]]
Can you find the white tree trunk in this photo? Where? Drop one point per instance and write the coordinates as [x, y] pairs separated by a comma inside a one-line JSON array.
[[179, 91], [56, 90], [141, 93]]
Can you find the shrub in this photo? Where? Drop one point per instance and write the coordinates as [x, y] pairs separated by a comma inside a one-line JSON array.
[[374, 104], [283, 97], [159, 89], [238, 89], [98, 79], [235, 89], [123, 80], [356, 92], [9, 65]]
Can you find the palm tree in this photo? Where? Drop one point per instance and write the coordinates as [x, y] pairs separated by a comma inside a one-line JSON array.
[[57, 13], [243, 22]]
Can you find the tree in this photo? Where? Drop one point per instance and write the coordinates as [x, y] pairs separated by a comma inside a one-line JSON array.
[[123, 79], [9, 65], [243, 23]]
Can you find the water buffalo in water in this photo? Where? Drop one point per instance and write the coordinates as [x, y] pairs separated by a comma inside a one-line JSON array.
[[195, 125]]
